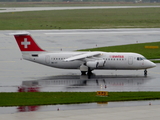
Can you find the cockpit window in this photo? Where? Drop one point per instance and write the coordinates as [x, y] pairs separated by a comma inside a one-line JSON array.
[[141, 58]]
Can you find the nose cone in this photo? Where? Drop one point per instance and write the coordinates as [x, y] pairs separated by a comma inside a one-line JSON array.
[[151, 64]]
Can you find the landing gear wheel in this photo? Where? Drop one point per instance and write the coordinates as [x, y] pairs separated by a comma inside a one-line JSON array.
[[89, 71], [83, 72], [145, 72]]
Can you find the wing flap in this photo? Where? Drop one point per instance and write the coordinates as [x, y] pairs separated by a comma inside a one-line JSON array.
[[82, 56]]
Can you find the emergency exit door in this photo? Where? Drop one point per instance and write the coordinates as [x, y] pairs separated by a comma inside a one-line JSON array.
[[130, 60]]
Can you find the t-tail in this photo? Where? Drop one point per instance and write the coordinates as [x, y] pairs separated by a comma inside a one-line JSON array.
[[27, 45]]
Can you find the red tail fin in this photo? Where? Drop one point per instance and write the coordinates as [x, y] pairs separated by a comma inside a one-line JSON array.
[[26, 43]]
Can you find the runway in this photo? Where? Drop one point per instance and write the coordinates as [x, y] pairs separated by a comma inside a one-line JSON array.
[[18, 75], [117, 113], [67, 107], [22, 9]]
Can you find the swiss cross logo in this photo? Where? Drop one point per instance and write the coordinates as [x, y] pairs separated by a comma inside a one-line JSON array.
[[25, 43]]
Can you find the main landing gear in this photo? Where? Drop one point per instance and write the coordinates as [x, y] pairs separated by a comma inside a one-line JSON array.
[[89, 72], [83, 72], [145, 72]]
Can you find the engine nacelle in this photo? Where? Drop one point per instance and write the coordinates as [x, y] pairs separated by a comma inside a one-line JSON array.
[[95, 64]]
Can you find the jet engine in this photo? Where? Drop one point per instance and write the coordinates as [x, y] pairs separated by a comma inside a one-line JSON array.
[[95, 64]]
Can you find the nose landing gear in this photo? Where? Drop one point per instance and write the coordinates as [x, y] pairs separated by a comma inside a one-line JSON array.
[[145, 72]]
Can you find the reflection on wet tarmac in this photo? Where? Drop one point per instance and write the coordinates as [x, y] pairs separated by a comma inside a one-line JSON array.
[[82, 83], [27, 108], [8, 110]]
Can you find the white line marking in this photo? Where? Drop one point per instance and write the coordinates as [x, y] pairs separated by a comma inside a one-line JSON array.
[[107, 32]]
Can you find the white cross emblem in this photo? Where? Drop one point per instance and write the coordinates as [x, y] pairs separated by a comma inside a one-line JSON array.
[[25, 43]]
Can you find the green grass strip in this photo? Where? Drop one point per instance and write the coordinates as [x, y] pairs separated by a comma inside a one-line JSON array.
[[149, 53], [156, 61], [52, 98], [82, 19]]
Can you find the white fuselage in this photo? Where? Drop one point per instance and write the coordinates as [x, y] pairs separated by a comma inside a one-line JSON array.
[[110, 60]]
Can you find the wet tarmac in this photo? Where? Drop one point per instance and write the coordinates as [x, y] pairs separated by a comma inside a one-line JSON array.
[[18, 109], [118, 81]]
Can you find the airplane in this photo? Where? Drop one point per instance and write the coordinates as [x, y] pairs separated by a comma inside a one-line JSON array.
[[86, 61]]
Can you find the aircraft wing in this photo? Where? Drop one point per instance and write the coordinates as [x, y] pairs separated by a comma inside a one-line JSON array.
[[83, 56]]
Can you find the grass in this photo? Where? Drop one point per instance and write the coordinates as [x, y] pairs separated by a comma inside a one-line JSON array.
[[156, 61], [137, 48], [50, 98], [82, 19]]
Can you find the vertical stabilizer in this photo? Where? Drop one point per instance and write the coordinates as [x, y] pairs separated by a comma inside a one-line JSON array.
[[26, 43]]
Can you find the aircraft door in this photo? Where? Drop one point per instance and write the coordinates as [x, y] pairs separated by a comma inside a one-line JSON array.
[[130, 60], [47, 59]]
